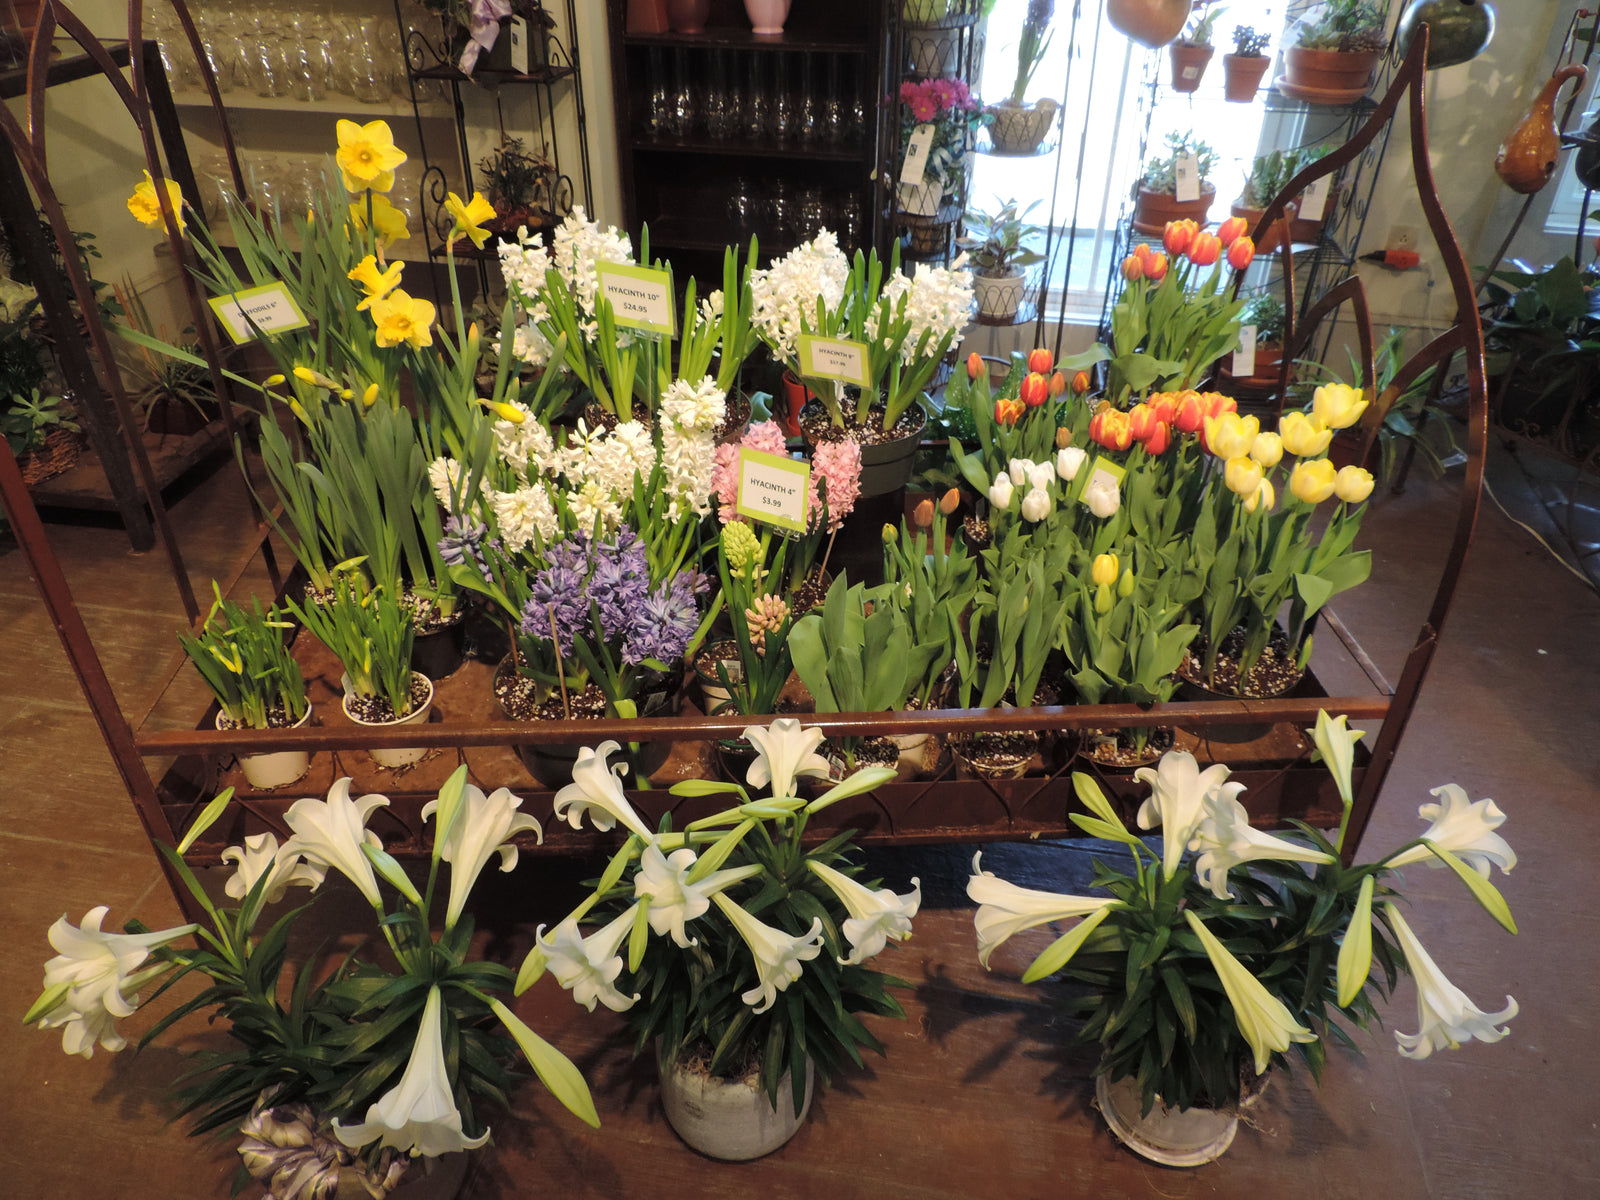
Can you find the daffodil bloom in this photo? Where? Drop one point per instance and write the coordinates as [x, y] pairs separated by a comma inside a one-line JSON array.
[[1303, 436], [588, 966], [876, 914], [97, 970], [596, 789], [1353, 484], [1103, 497], [367, 155], [663, 882], [260, 855], [1035, 505], [469, 217], [1262, 1018], [1000, 492], [1005, 909], [377, 284], [1264, 497], [146, 205], [777, 954], [483, 827], [1267, 449], [1312, 480], [399, 318], [417, 1116], [1243, 476], [1228, 435], [329, 833], [388, 221], [1179, 790], [784, 750], [1338, 405], [1448, 1017], [1225, 839], [1464, 828]]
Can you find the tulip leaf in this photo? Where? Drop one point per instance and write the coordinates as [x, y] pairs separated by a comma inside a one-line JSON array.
[[52, 996], [385, 864], [1482, 890], [554, 1069], [1060, 952], [205, 820]]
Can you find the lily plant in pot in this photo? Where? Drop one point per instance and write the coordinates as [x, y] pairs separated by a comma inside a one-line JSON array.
[[1158, 201], [999, 255], [370, 634], [738, 955], [258, 684], [1018, 126], [1334, 51], [1201, 967], [346, 1074], [1192, 50], [1244, 68]]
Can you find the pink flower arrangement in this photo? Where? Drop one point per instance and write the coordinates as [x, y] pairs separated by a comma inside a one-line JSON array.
[[952, 110], [931, 97]]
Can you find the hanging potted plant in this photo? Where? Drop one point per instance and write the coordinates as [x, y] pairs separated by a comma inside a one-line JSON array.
[[737, 954], [1193, 49], [1151, 23], [999, 258], [522, 187], [1202, 971], [1158, 201], [258, 684], [1017, 126], [1334, 51], [1246, 65]]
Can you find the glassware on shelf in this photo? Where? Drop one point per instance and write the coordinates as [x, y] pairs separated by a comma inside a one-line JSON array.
[[756, 100], [810, 101], [744, 215], [655, 81], [720, 104], [831, 120], [784, 124]]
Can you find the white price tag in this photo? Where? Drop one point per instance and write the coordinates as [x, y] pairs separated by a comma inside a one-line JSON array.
[[834, 358], [1188, 177], [1314, 200], [917, 150], [1244, 358], [266, 309], [519, 45], [773, 489], [641, 297]]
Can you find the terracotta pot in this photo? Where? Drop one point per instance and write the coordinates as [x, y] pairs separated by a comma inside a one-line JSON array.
[[1527, 159], [1458, 30], [731, 1119], [1271, 237], [1148, 22], [1155, 209], [1331, 70], [1243, 76], [795, 396], [688, 16], [1188, 65], [1173, 1137]]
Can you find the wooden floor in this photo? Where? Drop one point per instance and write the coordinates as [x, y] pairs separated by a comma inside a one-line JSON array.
[[982, 1093]]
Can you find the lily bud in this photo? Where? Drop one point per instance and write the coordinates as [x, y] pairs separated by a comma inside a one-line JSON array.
[[1241, 254], [1040, 361], [1035, 389], [950, 501], [974, 365], [1312, 480], [1353, 484], [1080, 383], [1125, 585], [1232, 230], [1058, 384], [1243, 476], [1303, 436]]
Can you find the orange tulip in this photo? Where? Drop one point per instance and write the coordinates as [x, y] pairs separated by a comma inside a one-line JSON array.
[[1040, 361], [1155, 268], [1178, 235], [1110, 429], [1159, 440], [1190, 416], [1232, 230], [1035, 389], [1133, 268], [1217, 404], [1080, 383], [923, 517], [1205, 249], [1058, 384], [1164, 405], [974, 365], [949, 502], [1242, 253], [1008, 412], [1142, 422]]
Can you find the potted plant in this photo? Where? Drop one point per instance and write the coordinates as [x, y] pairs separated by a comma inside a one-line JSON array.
[[521, 185], [1246, 65], [1193, 49], [1016, 126], [955, 114], [1158, 201], [999, 257], [258, 684], [1269, 174], [747, 948], [42, 434], [370, 634], [1334, 51], [1264, 311], [1202, 970], [331, 1092]]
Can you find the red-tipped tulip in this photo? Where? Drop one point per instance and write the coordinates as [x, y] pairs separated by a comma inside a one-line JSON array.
[[1164, 405], [1190, 416], [1080, 383], [1232, 230], [1159, 440], [1040, 361], [1133, 268], [1241, 254], [1205, 249], [1008, 412], [1110, 429], [1217, 404], [1035, 390], [1155, 267], [1058, 384], [1142, 421], [1178, 235], [974, 365]]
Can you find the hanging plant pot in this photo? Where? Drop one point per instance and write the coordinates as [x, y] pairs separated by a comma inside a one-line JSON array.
[[1155, 209], [1020, 128], [1188, 65], [1242, 76], [933, 53], [1173, 1137], [999, 296], [1148, 22], [421, 703], [275, 770], [1328, 76], [730, 1119]]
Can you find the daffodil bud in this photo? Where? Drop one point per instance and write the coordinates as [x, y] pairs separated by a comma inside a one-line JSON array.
[[346, 394], [273, 381], [305, 375], [506, 412], [1352, 484], [1103, 571], [297, 410], [370, 396]]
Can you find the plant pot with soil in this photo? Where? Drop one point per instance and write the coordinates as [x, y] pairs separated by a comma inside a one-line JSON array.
[[1158, 193], [1335, 50], [1000, 250], [1245, 67]]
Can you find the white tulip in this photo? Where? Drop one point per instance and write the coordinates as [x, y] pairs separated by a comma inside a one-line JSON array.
[[1040, 476], [588, 966], [1225, 839], [1036, 505], [1019, 469], [1102, 496], [1464, 828], [1005, 909], [876, 915], [1069, 461], [417, 1116], [784, 750], [483, 827], [777, 954], [1179, 790], [1000, 492], [597, 790], [329, 833], [1447, 1015], [260, 856]]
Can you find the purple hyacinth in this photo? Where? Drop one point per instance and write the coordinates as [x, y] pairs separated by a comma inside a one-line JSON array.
[[463, 542]]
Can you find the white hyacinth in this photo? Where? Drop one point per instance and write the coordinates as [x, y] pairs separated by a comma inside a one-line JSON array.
[[521, 514], [784, 295]]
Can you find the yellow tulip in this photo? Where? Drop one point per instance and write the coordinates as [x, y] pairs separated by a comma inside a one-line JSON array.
[[377, 284], [1267, 450], [1243, 476], [1104, 570], [1230, 436], [389, 221], [400, 318], [1304, 436], [1312, 480], [1264, 496], [1352, 484], [469, 217], [1338, 404], [146, 206], [367, 155]]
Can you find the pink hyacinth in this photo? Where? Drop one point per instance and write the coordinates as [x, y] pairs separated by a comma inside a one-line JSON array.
[[767, 436], [838, 465]]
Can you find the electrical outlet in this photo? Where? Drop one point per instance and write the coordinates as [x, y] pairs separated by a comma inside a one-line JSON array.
[[1401, 237]]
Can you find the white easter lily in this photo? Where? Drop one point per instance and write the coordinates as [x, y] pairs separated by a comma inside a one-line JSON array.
[[876, 915], [260, 856], [777, 954], [596, 789], [329, 833], [1036, 505], [588, 966], [1179, 790], [97, 971], [1225, 839], [1464, 828], [1447, 1015], [1337, 743], [1005, 909], [419, 1114], [663, 881], [1000, 492], [784, 750], [1264, 1020], [483, 828]]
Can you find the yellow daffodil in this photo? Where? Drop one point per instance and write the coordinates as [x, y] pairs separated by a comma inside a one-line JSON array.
[[1304, 436], [367, 155], [469, 217], [1338, 404], [1352, 484], [1103, 571], [1243, 476], [1312, 480], [146, 206], [1264, 496], [400, 318], [376, 283], [1230, 436], [389, 221], [370, 396], [1267, 450], [506, 412]]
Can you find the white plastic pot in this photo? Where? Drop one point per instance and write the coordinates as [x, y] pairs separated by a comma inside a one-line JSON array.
[[731, 1119], [1173, 1137], [275, 770], [418, 715]]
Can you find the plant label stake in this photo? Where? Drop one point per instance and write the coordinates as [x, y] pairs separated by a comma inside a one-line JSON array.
[[1314, 200], [918, 147], [1244, 358], [1187, 177]]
